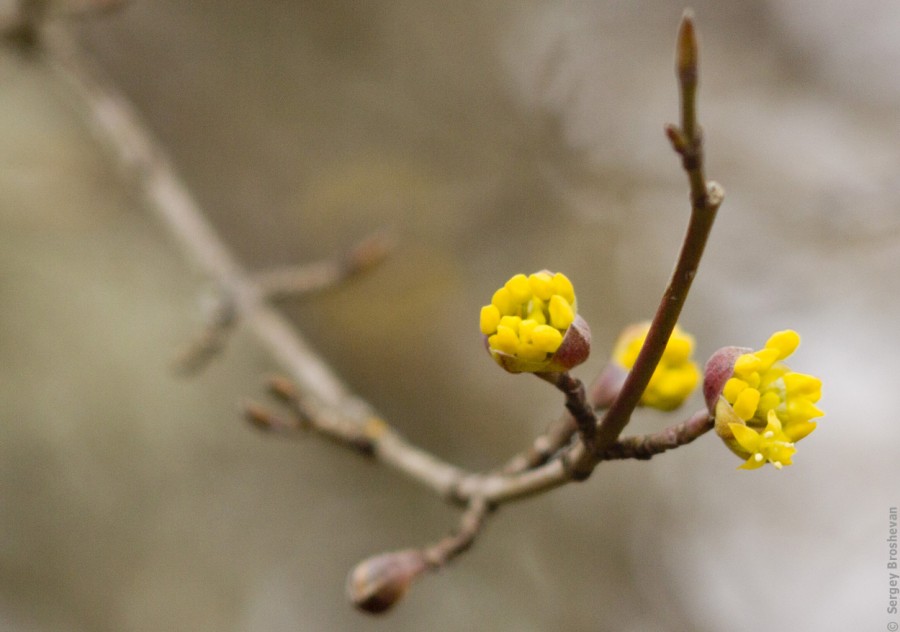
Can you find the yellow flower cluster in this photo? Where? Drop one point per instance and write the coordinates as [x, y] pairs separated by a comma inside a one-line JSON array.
[[771, 405], [527, 319], [675, 376]]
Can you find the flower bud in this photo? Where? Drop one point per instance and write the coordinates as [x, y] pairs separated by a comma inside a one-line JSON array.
[[674, 379], [377, 583], [760, 405], [532, 325]]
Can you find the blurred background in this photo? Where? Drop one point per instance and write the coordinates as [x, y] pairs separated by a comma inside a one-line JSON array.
[[493, 138]]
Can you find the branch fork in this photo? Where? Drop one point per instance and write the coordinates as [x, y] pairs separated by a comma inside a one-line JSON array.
[[316, 401]]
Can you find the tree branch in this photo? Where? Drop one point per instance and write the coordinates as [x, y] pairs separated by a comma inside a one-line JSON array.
[[292, 281], [146, 163], [705, 201], [646, 446], [544, 446], [320, 402]]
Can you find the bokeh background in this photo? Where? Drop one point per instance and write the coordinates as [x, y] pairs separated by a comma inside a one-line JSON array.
[[493, 138]]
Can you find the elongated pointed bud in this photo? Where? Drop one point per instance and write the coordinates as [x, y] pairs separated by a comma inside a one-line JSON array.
[[686, 56], [379, 582]]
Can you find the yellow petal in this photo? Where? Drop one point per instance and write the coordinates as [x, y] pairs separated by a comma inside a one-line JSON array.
[[528, 351], [678, 350], [768, 401], [561, 313], [773, 423], [547, 338], [753, 380], [525, 328], [504, 340], [563, 287], [490, 318], [537, 316], [746, 403], [755, 462], [746, 364], [512, 322], [802, 384], [803, 410], [502, 300], [767, 357], [541, 285], [733, 388], [784, 342], [798, 430], [537, 310], [748, 438], [519, 289]]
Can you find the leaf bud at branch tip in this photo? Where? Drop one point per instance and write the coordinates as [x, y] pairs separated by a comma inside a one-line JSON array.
[[371, 251], [686, 56], [257, 415], [283, 388]]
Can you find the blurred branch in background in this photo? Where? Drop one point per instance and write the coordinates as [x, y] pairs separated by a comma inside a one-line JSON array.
[[220, 313], [23, 26], [317, 400]]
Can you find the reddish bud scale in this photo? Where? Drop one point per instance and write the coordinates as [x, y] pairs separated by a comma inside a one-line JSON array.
[[574, 349], [719, 369]]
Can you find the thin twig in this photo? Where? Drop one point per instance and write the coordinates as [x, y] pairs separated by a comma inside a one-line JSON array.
[[221, 315], [23, 28], [361, 438], [264, 419], [555, 438], [89, 8], [499, 489], [644, 447], [378, 582], [576, 403], [327, 399], [470, 524], [705, 201], [322, 403], [295, 281], [145, 162]]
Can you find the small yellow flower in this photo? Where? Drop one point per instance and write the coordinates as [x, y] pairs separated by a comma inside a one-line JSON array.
[[676, 376], [763, 407], [531, 324], [758, 445]]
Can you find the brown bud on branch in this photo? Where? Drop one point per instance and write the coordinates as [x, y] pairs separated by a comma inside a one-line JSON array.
[[379, 582]]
